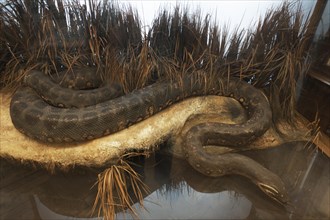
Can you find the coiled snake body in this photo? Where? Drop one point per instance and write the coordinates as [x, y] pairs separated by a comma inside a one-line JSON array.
[[38, 119]]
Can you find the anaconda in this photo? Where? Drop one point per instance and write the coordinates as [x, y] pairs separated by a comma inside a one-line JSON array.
[[37, 118]]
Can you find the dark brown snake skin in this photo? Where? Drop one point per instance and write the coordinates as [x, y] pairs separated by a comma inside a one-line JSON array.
[[46, 122]]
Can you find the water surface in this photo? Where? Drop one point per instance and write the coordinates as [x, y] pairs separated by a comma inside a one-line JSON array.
[[176, 190]]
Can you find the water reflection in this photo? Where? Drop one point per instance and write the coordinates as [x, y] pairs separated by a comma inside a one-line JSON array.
[[46, 213], [177, 191], [189, 204]]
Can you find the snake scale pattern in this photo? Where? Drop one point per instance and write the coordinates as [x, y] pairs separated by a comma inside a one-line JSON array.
[[44, 110]]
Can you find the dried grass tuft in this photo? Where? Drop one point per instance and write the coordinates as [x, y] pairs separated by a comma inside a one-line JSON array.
[[54, 35], [113, 195], [272, 55]]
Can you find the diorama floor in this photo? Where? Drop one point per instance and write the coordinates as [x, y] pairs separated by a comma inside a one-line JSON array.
[[176, 190]]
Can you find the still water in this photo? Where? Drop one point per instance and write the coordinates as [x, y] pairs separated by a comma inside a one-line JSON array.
[[176, 190]]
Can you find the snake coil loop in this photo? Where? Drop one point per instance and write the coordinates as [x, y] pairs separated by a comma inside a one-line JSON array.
[[44, 110]]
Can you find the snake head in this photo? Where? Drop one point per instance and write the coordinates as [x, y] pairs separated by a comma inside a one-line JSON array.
[[277, 193]]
